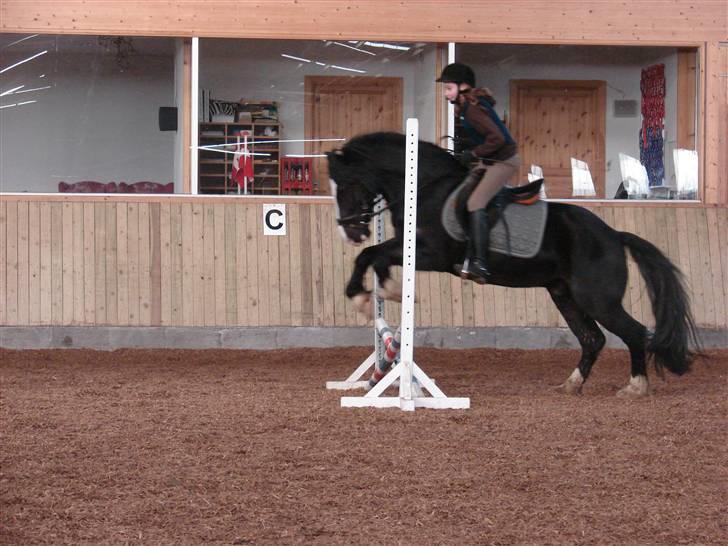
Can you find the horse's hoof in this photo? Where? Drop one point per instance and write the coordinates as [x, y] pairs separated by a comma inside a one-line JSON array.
[[573, 384], [390, 290], [636, 388], [364, 303], [569, 387]]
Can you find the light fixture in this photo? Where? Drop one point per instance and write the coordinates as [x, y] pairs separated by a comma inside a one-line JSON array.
[[295, 58], [32, 89], [387, 46], [21, 40], [11, 91], [23, 61], [355, 48]]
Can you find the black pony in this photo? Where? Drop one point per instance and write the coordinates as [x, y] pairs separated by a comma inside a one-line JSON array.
[[581, 262]]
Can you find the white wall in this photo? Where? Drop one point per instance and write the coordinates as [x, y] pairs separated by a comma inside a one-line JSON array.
[[95, 123], [255, 70], [620, 67], [425, 92]]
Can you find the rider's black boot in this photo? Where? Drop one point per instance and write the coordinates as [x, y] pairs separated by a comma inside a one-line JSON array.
[[475, 267]]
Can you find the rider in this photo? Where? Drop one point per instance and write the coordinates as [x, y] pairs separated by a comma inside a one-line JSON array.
[[489, 143]]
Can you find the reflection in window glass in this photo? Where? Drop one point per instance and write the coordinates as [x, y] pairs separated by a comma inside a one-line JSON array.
[[270, 108], [82, 114], [607, 118]]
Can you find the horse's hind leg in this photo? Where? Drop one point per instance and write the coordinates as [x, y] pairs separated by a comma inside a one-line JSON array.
[[634, 335], [586, 331], [607, 310]]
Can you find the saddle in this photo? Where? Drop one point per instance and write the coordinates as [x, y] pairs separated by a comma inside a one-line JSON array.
[[516, 216], [523, 195]]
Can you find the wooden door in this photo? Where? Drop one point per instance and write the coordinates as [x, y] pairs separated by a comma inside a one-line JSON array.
[[343, 107], [555, 120]]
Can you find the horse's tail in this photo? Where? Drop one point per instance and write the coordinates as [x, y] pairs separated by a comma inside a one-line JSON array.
[[675, 331]]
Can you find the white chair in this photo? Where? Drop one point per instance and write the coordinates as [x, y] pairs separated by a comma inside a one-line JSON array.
[[537, 174], [686, 173], [634, 176], [581, 180]]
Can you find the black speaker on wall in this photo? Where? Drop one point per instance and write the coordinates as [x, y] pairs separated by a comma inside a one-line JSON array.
[[167, 118]]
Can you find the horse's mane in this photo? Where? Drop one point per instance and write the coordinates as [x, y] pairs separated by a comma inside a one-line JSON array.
[[387, 149]]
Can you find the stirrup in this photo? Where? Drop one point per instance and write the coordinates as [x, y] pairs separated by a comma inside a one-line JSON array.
[[467, 275]]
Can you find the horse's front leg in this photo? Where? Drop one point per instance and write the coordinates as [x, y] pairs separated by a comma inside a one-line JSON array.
[[388, 288], [381, 257]]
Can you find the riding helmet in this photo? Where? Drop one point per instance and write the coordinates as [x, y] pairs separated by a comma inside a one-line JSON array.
[[457, 73]]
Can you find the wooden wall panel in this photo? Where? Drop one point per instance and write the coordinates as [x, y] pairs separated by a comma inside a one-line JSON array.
[[34, 261], [111, 265], [231, 236], [252, 255], [185, 264], [3, 263], [45, 263], [715, 123], [154, 284], [79, 307], [145, 265], [560, 20], [721, 236], [240, 278], [11, 264], [686, 98], [23, 264], [98, 229]]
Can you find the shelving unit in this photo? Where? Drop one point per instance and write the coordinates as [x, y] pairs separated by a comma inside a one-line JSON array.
[[296, 176], [215, 167]]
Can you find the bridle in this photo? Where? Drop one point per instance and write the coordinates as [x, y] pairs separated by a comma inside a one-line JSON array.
[[365, 216]]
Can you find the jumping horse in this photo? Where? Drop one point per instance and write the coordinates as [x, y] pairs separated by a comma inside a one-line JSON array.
[[581, 261]]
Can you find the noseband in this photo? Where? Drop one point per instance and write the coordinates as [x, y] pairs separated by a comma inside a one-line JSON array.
[[364, 217]]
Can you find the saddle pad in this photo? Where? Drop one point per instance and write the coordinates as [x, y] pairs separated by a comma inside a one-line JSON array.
[[525, 224]]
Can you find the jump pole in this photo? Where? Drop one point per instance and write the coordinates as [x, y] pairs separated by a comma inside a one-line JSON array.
[[409, 397]]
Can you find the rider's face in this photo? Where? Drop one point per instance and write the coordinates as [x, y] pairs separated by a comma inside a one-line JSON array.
[[451, 91]]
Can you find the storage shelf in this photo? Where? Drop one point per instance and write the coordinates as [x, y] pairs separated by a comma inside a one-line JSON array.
[[214, 173]]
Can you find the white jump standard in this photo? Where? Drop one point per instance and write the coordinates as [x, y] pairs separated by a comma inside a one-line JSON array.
[[407, 370], [356, 379]]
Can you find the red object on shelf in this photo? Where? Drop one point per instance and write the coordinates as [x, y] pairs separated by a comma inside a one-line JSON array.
[[296, 175]]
